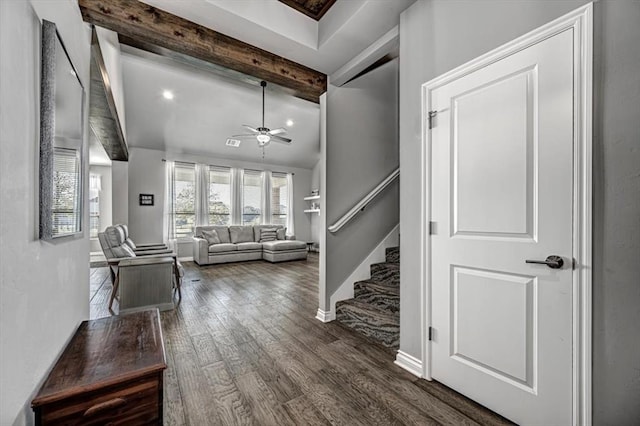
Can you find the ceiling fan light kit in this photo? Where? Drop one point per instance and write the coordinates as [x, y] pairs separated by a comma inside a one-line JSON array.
[[262, 134]]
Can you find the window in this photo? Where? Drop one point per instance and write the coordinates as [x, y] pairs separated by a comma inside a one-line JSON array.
[[219, 205], [184, 213], [66, 188], [252, 198], [279, 199], [94, 205], [199, 194]]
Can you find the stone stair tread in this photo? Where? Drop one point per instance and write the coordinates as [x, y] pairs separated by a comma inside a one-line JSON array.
[[377, 312], [370, 320], [385, 272], [379, 287], [390, 265], [392, 254]]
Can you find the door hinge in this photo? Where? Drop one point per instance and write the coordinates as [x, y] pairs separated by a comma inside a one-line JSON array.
[[432, 228], [431, 116], [430, 333]]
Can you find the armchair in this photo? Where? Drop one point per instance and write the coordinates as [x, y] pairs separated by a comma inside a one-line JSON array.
[[124, 229], [120, 254]]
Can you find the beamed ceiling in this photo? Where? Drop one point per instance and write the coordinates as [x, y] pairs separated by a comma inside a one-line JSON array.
[[312, 8]]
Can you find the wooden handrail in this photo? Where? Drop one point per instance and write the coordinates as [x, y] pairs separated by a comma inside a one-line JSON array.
[[360, 206]]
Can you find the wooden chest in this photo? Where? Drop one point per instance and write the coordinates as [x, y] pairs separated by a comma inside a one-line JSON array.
[[109, 373]]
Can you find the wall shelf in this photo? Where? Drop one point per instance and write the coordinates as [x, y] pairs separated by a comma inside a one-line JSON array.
[[314, 207]]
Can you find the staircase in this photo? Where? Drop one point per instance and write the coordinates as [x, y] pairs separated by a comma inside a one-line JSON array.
[[375, 309]]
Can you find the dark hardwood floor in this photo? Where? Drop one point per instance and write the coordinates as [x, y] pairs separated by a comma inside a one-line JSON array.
[[243, 347]]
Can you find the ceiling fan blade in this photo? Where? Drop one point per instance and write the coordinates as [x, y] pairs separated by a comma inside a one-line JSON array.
[[277, 131], [280, 139], [244, 136], [254, 130]]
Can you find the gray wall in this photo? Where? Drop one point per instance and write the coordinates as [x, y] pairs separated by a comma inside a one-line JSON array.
[[44, 286], [431, 45], [146, 173], [120, 192], [105, 200], [362, 149], [316, 226]]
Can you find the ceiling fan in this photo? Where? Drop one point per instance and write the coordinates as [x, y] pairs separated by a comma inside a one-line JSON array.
[[263, 134]]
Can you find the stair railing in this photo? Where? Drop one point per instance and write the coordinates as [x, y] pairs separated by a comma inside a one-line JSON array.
[[362, 204]]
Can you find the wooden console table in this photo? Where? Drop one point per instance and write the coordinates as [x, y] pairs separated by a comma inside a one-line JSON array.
[[109, 373]]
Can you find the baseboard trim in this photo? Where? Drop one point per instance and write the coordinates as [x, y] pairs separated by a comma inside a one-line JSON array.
[[410, 363], [186, 259], [325, 316]]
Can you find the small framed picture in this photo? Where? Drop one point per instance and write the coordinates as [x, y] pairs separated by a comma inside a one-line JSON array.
[[146, 199]]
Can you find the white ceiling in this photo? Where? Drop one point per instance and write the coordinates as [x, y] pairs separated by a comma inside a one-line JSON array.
[[348, 28], [208, 108]]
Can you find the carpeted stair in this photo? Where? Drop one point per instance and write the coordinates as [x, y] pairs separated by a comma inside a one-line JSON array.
[[375, 309]]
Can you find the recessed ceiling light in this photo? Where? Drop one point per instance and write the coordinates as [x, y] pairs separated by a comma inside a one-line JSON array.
[[167, 94], [289, 122]]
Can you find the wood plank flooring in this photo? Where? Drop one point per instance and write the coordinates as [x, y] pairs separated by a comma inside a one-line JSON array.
[[243, 347]]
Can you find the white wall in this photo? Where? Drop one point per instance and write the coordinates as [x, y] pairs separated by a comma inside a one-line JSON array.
[[361, 150], [431, 44], [44, 286], [147, 174], [120, 192], [105, 200]]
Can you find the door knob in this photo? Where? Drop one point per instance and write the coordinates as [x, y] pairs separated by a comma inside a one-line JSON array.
[[553, 261]]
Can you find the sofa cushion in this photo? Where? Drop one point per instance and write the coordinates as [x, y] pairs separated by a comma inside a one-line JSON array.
[[222, 247], [284, 245], [222, 231], [249, 246], [268, 234], [211, 236], [281, 234], [241, 234]]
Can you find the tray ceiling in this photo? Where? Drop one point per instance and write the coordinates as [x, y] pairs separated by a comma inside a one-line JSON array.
[[314, 9]]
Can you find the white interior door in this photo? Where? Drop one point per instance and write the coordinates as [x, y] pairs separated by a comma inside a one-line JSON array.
[[501, 194]]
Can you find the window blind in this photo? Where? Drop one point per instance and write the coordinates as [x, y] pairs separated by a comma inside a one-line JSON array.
[[251, 197], [184, 203], [66, 183], [219, 203], [279, 198]]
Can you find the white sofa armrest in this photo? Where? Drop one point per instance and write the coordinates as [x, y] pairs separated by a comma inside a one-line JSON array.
[[200, 250]]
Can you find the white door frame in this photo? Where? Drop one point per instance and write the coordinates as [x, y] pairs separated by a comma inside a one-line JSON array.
[[581, 22]]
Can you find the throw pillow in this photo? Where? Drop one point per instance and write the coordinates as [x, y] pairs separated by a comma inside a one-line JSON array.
[[281, 233], [268, 234], [211, 236], [241, 234]]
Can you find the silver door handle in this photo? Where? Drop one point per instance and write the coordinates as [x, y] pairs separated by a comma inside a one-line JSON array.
[[553, 261]]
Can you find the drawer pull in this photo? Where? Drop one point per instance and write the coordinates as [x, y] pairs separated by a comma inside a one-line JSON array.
[[112, 403]]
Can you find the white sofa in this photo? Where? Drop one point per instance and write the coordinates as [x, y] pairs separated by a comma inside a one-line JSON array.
[[240, 243]]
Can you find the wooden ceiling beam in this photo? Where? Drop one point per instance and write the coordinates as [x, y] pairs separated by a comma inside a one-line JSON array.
[[150, 26], [103, 114]]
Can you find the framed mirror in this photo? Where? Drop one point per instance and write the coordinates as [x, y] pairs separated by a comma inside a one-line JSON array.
[[61, 140]]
